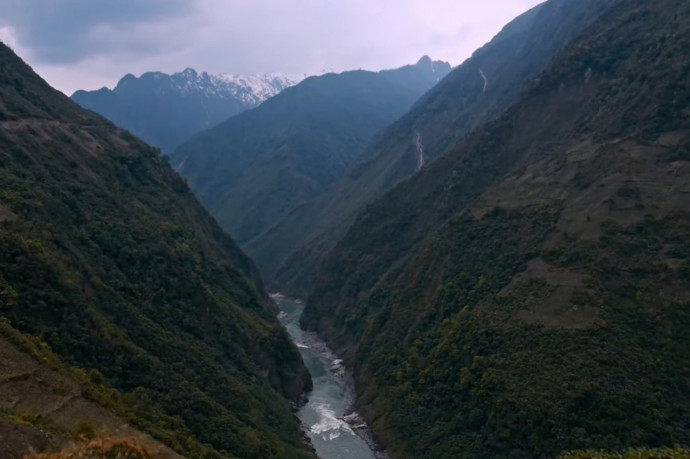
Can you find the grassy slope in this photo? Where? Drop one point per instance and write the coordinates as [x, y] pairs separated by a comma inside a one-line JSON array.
[[441, 118], [107, 256], [528, 293]]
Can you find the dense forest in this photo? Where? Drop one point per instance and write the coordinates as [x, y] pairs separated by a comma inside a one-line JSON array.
[[108, 258]]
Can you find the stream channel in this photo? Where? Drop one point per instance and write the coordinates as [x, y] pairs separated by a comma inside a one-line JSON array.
[[335, 431]]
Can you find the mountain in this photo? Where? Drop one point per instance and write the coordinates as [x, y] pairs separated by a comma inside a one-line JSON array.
[[527, 293], [257, 167], [166, 110], [108, 261], [475, 92]]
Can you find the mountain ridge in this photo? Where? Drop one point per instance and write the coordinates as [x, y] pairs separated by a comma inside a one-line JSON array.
[[166, 110]]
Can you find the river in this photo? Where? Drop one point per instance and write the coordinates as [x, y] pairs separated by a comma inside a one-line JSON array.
[[331, 398]]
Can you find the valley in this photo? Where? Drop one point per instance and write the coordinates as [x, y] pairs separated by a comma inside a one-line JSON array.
[[265, 164], [493, 258]]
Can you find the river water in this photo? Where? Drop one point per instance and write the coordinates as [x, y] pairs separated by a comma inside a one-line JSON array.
[[332, 396]]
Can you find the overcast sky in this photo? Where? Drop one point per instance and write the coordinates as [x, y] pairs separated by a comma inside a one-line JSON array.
[[87, 44]]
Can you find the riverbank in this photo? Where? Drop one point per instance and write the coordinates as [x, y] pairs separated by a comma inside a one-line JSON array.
[[335, 429]]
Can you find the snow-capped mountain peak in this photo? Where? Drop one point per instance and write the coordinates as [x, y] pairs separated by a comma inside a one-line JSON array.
[[249, 89], [257, 88], [165, 110]]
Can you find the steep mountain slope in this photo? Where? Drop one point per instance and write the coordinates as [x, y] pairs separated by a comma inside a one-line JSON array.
[[258, 166], [44, 404], [528, 293], [166, 110], [480, 89], [106, 255]]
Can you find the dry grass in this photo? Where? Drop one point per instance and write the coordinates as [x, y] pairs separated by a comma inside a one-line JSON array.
[[100, 448]]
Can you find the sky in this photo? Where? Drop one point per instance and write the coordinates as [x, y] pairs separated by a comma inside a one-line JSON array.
[[88, 44]]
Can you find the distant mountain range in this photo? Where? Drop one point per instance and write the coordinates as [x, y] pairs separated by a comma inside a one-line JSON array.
[[166, 110], [256, 168]]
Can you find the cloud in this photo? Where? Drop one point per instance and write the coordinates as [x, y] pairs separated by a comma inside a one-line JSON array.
[[66, 31], [9, 36], [90, 43]]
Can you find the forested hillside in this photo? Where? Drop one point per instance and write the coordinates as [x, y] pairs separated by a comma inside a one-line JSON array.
[[106, 256], [475, 92], [528, 293]]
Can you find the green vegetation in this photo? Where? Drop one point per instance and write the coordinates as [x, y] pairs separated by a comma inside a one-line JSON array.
[[465, 377], [527, 293], [106, 256]]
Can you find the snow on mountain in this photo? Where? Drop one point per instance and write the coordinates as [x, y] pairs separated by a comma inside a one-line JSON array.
[[257, 88], [166, 110], [250, 89]]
